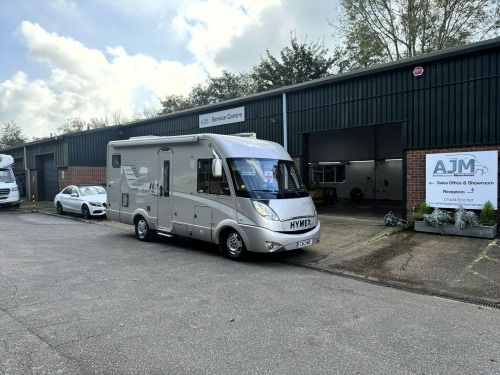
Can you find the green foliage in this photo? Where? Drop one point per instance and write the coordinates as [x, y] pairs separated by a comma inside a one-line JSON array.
[[377, 31], [423, 209], [299, 62], [464, 218], [215, 89], [11, 135], [487, 216]]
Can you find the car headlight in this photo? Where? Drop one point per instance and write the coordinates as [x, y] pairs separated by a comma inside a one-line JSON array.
[[95, 204], [15, 189], [265, 210]]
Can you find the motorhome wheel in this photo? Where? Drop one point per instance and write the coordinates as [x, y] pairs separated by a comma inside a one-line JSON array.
[[142, 230], [233, 246]]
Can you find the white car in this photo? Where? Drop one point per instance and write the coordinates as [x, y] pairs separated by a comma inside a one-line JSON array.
[[89, 200]]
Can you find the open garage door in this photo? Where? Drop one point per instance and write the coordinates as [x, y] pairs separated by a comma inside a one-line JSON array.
[[367, 158], [48, 185]]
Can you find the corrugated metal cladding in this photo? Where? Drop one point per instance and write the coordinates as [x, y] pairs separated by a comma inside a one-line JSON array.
[[263, 117], [89, 148], [455, 102], [57, 147]]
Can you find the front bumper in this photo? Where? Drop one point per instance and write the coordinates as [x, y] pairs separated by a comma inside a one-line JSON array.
[[257, 237], [12, 198]]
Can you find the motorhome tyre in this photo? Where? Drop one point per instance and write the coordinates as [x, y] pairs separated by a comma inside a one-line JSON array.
[[232, 245], [85, 212], [60, 209], [142, 230]]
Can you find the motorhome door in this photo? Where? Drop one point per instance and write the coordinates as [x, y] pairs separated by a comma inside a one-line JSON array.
[[165, 189]]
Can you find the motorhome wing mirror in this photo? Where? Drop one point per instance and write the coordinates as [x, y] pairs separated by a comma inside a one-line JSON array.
[[217, 167]]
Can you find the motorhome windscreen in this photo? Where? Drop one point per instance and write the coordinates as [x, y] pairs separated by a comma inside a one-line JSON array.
[[266, 178], [6, 175]]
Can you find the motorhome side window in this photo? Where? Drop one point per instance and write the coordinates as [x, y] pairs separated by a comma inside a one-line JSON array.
[[116, 161], [207, 183]]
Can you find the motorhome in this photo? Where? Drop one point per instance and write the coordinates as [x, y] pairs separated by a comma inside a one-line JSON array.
[[9, 191], [236, 191]]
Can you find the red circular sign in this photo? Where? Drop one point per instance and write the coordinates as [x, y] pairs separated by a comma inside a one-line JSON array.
[[418, 71]]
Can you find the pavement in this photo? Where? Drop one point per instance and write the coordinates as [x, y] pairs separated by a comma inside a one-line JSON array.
[[355, 243]]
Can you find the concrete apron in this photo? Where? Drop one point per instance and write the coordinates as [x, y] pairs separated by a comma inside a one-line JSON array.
[[460, 266]]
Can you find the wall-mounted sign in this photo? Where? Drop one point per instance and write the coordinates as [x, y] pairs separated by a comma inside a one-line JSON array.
[[418, 71], [463, 178], [228, 116]]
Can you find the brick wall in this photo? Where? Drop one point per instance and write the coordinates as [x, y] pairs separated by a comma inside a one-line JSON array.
[[415, 173], [81, 175]]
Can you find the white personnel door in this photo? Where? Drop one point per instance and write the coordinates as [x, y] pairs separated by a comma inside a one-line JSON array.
[[165, 190]]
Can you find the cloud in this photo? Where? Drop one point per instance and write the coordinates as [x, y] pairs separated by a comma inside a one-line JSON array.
[[211, 26], [85, 82]]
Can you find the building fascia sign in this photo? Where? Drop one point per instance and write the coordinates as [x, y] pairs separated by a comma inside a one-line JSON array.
[[228, 116], [463, 178]]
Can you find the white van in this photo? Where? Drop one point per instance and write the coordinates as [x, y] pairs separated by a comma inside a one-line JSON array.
[[239, 192], [9, 191]]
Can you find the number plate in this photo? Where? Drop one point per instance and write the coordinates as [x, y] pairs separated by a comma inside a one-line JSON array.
[[304, 243]]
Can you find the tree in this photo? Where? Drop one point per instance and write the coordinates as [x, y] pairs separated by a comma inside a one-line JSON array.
[[300, 62], [378, 31], [11, 135], [214, 90], [72, 125], [217, 89], [174, 103]]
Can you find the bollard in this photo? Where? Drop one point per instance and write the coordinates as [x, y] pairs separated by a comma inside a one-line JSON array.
[[34, 209]]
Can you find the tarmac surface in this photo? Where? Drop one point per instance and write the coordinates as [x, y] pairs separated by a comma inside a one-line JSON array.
[[355, 243]]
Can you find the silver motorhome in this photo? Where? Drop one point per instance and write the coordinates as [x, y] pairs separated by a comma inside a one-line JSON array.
[[242, 193]]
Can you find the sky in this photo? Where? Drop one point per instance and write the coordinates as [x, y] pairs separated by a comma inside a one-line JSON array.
[[61, 59]]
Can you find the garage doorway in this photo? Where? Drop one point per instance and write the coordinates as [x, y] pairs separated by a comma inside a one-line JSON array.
[[48, 185], [361, 166]]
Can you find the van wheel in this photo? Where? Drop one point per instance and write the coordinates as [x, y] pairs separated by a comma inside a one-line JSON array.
[[60, 210], [85, 212], [232, 246], [142, 230]]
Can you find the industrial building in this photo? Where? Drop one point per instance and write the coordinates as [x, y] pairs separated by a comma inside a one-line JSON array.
[[368, 130]]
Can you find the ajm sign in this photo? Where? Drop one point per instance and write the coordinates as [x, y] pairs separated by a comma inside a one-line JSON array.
[[467, 179]]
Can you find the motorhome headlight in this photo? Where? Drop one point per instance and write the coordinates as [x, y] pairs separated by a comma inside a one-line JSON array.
[[95, 204], [265, 210]]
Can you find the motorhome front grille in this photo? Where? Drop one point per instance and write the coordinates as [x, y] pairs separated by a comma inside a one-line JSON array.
[[4, 191]]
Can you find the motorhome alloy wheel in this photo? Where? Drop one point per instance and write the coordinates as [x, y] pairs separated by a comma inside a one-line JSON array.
[[234, 246], [142, 230]]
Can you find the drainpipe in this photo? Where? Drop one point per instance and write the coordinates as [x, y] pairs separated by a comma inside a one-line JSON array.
[[285, 136], [28, 196], [285, 133]]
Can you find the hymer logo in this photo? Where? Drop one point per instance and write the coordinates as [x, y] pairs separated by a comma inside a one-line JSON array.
[[297, 224], [459, 165]]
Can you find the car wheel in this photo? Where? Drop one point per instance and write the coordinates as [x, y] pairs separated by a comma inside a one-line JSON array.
[[85, 212], [59, 208], [232, 246], [142, 230]]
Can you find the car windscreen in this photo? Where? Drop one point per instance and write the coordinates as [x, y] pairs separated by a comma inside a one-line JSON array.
[[266, 178], [6, 175], [91, 190]]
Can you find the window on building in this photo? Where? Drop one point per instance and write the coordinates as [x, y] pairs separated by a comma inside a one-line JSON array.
[[207, 183], [328, 173]]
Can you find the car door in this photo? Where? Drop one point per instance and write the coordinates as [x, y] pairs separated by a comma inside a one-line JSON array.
[[73, 200], [64, 198]]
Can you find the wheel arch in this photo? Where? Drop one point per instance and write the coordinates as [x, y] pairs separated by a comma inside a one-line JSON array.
[[228, 225]]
